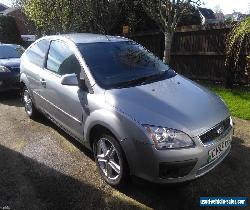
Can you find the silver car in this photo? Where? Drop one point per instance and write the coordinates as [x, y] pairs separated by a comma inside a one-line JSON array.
[[137, 115]]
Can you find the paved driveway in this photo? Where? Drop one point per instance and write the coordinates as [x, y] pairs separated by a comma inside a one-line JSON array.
[[41, 167]]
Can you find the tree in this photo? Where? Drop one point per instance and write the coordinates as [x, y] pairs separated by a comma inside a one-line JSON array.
[[9, 32], [136, 18], [59, 16], [105, 15], [229, 20], [238, 42], [217, 9], [166, 14], [190, 17], [64, 16]]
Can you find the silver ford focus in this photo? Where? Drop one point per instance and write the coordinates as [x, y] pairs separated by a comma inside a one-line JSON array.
[[137, 115]]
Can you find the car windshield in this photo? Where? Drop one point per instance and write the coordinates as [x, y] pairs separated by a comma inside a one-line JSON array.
[[122, 64], [10, 51]]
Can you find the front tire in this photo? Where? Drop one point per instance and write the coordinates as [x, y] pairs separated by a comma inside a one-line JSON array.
[[30, 109], [110, 160]]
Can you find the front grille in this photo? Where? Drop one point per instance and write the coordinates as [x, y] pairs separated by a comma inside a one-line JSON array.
[[216, 132]]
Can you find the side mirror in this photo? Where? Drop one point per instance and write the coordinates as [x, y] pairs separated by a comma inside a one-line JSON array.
[[69, 79]]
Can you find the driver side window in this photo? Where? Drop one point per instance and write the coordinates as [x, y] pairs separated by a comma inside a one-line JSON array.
[[61, 60]]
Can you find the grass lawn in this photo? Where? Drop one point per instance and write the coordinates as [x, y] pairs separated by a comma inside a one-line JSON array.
[[237, 100]]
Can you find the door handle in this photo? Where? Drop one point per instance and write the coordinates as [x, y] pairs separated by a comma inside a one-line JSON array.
[[43, 82]]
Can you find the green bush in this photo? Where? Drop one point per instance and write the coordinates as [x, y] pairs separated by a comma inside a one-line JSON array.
[[9, 32], [238, 42]]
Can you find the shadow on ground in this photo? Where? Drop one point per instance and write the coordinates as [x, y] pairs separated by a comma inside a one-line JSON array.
[[45, 121], [11, 98], [27, 184]]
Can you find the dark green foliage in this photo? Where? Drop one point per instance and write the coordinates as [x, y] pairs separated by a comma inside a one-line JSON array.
[[9, 32], [139, 20], [136, 18], [190, 17]]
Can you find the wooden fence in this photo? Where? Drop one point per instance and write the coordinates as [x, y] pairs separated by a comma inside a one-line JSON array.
[[197, 53]]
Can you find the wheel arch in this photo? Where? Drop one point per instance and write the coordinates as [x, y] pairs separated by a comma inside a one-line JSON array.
[[97, 128], [101, 128]]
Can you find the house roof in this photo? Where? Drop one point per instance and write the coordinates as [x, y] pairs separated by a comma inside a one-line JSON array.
[[219, 15], [3, 7], [207, 13], [9, 10]]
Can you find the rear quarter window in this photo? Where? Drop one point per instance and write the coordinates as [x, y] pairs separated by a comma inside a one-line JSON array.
[[36, 53]]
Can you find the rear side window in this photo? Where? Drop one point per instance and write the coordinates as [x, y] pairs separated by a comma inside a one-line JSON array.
[[36, 54], [61, 59]]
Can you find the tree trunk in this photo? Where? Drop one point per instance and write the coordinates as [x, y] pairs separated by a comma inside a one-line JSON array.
[[229, 74], [229, 78], [167, 50]]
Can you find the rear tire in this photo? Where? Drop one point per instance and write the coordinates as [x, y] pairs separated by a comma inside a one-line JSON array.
[[30, 109], [110, 160]]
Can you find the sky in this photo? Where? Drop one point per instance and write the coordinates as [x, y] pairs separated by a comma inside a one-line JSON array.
[[6, 2], [227, 6]]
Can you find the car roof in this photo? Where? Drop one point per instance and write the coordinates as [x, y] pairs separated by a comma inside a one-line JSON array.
[[90, 38]]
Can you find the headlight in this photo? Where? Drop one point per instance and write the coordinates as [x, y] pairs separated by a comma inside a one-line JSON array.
[[165, 138], [4, 69]]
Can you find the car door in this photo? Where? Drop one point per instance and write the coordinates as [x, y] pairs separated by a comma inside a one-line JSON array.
[[63, 103], [35, 58]]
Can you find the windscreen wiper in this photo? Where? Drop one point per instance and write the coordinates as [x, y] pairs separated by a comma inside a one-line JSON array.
[[133, 82], [155, 77], [142, 80], [130, 82]]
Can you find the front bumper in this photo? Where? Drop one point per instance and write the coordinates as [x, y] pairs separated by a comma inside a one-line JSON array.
[[186, 164], [9, 81]]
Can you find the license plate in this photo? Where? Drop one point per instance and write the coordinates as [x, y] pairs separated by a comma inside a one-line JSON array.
[[217, 151]]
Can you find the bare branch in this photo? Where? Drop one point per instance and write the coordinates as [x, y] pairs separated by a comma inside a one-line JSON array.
[[167, 13]]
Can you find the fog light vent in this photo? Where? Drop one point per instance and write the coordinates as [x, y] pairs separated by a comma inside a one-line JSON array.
[[176, 169]]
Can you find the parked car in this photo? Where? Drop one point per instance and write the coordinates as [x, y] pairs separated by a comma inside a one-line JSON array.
[[10, 66], [138, 116]]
